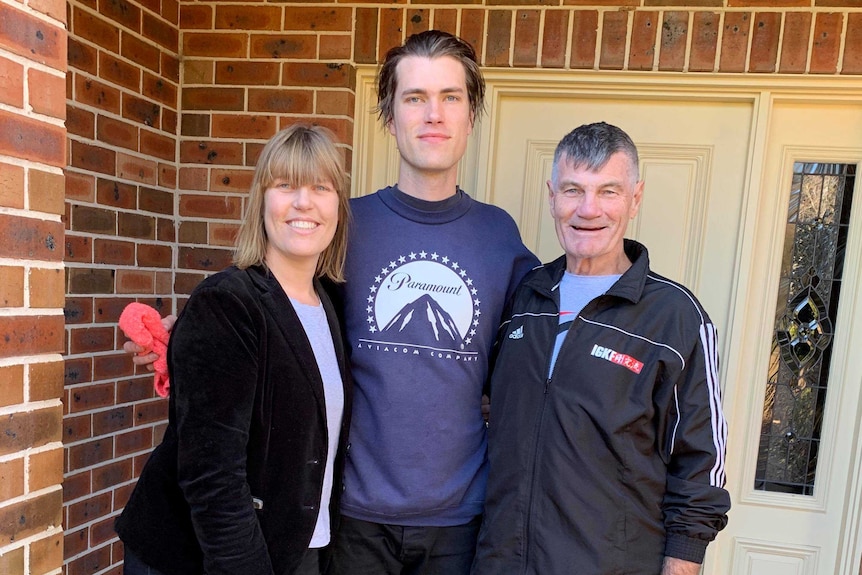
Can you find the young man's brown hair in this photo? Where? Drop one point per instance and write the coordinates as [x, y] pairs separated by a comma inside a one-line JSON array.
[[430, 44]]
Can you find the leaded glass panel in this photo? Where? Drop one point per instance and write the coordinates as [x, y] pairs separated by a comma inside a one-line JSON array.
[[807, 302]]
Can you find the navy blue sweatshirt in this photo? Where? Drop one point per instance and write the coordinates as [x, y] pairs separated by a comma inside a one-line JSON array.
[[426, 286]]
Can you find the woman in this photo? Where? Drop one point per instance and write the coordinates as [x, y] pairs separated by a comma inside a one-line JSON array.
[[247, 478]]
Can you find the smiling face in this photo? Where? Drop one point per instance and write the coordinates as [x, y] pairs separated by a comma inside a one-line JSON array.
[[300, 222], [431, 117], [591, 211]]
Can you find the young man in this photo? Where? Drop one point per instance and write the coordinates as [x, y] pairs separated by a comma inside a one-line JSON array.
[[429, 271], [606, 435]]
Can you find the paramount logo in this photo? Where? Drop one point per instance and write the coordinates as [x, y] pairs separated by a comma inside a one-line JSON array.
[[622, 359]]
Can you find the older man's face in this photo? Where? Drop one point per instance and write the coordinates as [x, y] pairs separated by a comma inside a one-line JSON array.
[[591, 211]]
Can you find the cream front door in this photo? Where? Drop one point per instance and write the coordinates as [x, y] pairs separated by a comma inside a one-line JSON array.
[[717, 156]]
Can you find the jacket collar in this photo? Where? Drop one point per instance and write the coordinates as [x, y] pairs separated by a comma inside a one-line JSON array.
[[630, 286], [274, 299], [266, 282]]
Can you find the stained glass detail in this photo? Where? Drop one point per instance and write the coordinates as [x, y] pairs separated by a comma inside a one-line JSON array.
[[804, 331], [807, 303]]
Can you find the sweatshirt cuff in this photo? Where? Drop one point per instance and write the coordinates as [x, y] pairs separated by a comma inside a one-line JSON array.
[[685, 548]]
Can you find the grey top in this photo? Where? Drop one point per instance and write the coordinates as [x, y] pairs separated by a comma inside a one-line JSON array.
[[313, 319]]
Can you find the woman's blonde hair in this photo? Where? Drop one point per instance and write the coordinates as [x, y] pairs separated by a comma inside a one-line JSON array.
[[301, 154]]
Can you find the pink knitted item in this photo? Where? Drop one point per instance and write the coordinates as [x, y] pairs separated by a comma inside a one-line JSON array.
[[143, 325]]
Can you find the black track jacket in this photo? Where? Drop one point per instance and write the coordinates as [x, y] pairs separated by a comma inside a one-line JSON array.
[[617, 459]]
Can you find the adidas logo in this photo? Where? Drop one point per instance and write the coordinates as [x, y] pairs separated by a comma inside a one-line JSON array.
[[517, 334]]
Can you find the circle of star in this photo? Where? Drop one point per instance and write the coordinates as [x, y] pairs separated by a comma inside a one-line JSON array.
[[423, 255]]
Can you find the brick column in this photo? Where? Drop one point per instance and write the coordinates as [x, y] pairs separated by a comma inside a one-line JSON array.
[[123, 92], [32, 155]]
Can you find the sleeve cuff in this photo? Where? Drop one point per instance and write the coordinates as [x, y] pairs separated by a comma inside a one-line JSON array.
[[685, 548]]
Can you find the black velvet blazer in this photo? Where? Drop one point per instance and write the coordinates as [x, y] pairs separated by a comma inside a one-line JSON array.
[[234, 488]]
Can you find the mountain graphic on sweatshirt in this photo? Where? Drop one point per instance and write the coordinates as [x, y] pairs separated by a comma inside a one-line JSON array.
[[423, 322]]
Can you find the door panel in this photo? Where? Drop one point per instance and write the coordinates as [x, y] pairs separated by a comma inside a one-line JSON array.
[[694, 157]]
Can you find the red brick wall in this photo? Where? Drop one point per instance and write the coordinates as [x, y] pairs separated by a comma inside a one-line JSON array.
[[248, 71], [122, 117], [32, 155], [168, 106]]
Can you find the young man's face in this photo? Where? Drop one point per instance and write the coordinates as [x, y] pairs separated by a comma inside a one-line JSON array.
[[431, 117], [591, 211]]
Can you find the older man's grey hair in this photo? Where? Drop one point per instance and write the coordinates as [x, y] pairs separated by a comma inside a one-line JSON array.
[[591, 146]]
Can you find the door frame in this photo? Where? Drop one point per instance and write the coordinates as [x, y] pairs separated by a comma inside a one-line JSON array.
[[745, 355]]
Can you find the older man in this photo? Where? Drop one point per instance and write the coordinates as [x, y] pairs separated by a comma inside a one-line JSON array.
[[607, 438]]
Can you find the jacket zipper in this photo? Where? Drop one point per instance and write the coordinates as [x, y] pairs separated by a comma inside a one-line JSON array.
[[528, 526], [535, 470]]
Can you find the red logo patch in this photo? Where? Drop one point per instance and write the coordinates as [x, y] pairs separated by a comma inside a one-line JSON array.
[[622, 359]]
